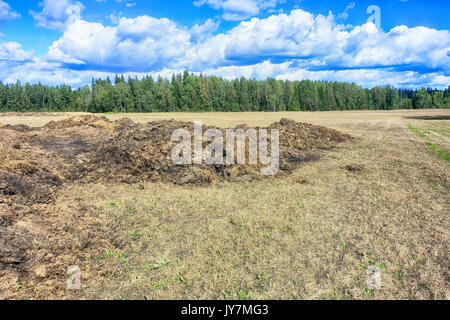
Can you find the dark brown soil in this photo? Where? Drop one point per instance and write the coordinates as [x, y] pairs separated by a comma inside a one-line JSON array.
[[354, 168], [37, 239], [136, 152]]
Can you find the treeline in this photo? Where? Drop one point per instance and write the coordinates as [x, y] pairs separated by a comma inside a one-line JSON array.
[[188, 92]]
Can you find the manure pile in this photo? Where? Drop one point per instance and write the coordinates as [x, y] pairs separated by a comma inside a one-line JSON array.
[[123, 151], [95, 149], [36, 162]]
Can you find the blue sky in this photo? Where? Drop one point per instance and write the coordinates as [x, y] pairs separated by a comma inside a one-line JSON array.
[[70, 41]]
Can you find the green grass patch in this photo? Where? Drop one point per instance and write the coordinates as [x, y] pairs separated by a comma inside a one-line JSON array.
[[160, 264], [439, 152], [445, 131], [436, 150], [416, 131]]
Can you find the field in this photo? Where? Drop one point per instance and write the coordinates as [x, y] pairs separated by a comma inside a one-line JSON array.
[[380, 198]]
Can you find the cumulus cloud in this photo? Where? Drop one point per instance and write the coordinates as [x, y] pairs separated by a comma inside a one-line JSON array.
[[54, 74], [12, 56], [318, 42], [146, 43], [297, 35], [344, 15], [203, 31], [56, 15], [142, 43], [401, 47], [239, 9], [6, 13], [13, 52], [371, 77]]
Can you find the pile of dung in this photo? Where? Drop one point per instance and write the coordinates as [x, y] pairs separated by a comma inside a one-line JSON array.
[[95, 149], [302, 142], [28, 182], [142, 152], [75, 122], [17, 127], [36, 244], [27, 174]]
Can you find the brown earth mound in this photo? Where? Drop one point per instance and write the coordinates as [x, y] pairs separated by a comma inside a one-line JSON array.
[[89, 120], [17, 127], [90, 148], [37, 238], [136, 152]]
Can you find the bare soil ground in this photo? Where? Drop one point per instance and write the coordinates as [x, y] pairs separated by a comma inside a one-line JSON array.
[[101, 193]]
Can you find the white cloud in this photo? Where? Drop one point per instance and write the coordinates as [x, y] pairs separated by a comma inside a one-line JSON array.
[[344, 15], [142, 43], [319, 42], [261, 70], [56, 15], [239, 9], [422, 47], [203, 31], [297, 35], [6, 13], [13, 52], [371, 77], [53, 74], [148, 44]]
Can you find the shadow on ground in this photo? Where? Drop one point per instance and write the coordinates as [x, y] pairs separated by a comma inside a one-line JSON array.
[[438, 117]]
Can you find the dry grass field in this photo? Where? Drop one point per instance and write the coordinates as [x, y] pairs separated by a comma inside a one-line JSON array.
[[381, 199]]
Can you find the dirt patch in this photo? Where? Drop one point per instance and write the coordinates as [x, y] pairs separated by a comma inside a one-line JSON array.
[[39, 239], [355, 168], [300, 181], [17, 127]]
